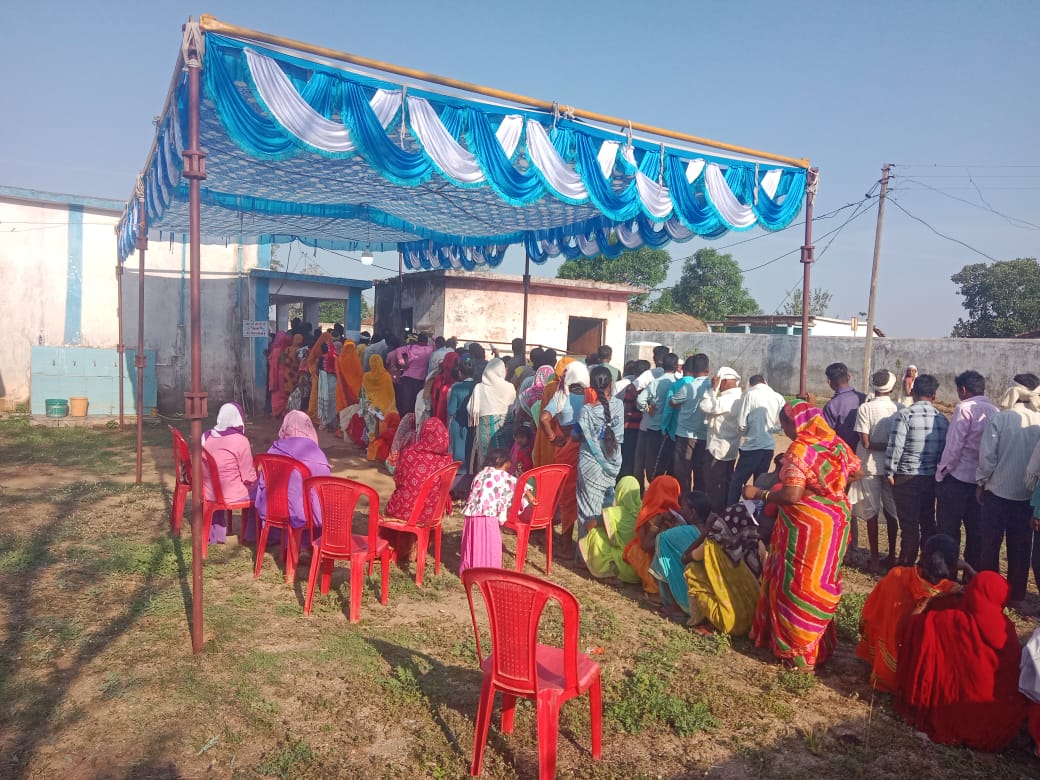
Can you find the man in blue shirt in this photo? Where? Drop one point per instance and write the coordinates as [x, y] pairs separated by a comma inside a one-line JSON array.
[[915, 445], [691, 430], [840, 411], [650, 402]]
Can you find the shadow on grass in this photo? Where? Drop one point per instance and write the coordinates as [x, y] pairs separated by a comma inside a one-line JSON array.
[[32, 698]]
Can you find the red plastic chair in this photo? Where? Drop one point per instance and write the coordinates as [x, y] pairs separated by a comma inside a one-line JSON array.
[[182, 478], [548, 487], [435, 492], [277, 472], [337, 498], [519, 666], [219, 504]]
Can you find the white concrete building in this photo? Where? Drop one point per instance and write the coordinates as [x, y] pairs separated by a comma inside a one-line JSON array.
[[58, 265]]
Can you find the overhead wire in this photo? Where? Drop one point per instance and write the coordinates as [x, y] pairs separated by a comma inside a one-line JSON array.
[[984, 206]]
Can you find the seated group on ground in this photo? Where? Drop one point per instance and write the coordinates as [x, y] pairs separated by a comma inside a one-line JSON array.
[[673, 485]]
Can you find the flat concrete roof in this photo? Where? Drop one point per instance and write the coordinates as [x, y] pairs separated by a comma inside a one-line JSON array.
[[473, 278]]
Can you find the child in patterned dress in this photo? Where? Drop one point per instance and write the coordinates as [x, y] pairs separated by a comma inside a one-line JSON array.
[[485, 512]]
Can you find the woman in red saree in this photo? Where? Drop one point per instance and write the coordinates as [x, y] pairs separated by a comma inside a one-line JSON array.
[[896, 595], [441, 387], [801, 580], [275, 382], [957, 679], [660, 511]]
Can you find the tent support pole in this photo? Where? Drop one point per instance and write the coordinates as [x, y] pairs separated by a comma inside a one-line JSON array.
[[212, 24], [120, 346], [195, 402], [139, 357], [808, 256], [527, 292]]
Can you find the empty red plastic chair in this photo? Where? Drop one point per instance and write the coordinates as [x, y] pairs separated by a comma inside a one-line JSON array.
[[427, 515], [337, 498], [518, 666], [277, 471], [219, 504], [181, 476], [547, 489]]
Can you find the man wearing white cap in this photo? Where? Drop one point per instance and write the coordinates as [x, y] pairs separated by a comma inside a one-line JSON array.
[[719, 406], [873, 493]]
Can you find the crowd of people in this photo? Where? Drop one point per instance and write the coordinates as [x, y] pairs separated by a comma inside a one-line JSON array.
[[675, 484]]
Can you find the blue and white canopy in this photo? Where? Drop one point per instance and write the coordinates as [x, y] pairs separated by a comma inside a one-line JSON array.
[[299, 147]]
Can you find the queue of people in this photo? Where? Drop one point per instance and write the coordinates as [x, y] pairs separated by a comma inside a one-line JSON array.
[[674, 485]]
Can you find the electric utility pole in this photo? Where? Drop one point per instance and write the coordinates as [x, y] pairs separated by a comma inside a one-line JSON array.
[[868, 346]]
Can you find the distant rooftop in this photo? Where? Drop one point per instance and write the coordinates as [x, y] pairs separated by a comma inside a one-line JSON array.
[[61, 199], [473, 278], [668, 322]]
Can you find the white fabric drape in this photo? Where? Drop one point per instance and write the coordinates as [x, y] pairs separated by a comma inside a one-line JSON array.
[[730, 209], [296, 116], [629, 236], [770, 182], [445, 151], [656, 198], [588, 245], [607, 155], [693, 170], [560, 177]]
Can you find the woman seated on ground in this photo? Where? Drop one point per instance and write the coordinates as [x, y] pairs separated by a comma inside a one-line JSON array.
[[670, 546], [897, 594], [386, 431], [404, 436], [722, 570], [298, 440], [230, 448], [659, 513], [958, 669], [418, 461], [603, 545]]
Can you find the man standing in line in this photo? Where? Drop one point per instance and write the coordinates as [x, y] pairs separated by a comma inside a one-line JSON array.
[[955, 477], [840, 411], [719, 407], [911, 458], [1004, 453], [758, 418], [873, 493], [605, 353], [643, 456], [691, 430], [651, 401]]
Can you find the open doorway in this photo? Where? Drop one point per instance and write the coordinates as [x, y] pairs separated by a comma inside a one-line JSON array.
[[584, 335]]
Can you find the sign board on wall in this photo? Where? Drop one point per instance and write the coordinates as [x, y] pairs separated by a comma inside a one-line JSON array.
[[254, 329]]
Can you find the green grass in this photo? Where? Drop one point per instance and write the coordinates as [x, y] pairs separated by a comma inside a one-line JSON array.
[[293, 758], [847, 617], [792, 681]]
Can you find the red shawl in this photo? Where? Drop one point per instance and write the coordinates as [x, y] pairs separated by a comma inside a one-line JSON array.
[[418, 461], [957, 677], [441, 386]]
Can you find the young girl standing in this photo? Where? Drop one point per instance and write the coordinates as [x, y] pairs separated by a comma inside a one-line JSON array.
[[485, 512]]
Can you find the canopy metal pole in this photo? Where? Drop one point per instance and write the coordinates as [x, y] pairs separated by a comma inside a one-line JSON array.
[[120, 346], [212, 24], [195, 402], [527, 292], [139, 358], [808, 256]]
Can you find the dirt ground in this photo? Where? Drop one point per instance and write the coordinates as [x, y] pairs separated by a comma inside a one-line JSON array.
[[98, 679]]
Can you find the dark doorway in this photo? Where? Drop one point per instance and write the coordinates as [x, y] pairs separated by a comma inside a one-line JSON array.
[[584, 335]]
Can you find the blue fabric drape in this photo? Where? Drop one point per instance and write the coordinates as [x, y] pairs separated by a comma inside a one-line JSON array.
[[514, 187]]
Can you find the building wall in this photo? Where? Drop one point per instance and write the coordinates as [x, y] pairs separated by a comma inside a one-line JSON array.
[[777, 357]]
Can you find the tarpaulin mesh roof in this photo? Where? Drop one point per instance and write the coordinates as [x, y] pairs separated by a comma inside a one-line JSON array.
[[301, 147]]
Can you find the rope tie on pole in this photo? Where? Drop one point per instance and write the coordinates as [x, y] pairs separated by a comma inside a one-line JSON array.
[[404, 106], [756, 184]]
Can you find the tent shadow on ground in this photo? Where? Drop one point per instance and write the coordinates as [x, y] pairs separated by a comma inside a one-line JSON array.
[[37, 698]]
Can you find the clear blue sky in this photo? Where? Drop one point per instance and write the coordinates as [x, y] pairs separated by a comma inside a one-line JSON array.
[[849, 86]]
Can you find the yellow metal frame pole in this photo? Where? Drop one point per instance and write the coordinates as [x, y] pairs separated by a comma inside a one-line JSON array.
[[212, 24]]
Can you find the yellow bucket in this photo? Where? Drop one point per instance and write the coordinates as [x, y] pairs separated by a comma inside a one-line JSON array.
[[78, 406]]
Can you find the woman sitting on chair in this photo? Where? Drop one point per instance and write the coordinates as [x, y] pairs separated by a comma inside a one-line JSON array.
[[418, 461], [230, 448], [298, 440]]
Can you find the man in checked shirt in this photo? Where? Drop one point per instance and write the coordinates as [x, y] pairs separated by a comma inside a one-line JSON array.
[[915, 446]]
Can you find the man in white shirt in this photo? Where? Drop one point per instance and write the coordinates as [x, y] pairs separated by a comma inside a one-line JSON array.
[[758, 418], [719, 406], [1006, 447], [873, 493]]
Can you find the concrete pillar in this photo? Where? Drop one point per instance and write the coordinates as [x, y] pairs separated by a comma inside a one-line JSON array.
[[352, 318], [282, 315], [310, 313]]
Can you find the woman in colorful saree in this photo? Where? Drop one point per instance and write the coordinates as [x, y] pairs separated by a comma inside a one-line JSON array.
[[488, 411], [801, 582], [957, 679], [544, 452], [599, 455], [377, 392], [659, 513], [275, 379], [604, 542], [348, 376], [441, 387], [896, 595]]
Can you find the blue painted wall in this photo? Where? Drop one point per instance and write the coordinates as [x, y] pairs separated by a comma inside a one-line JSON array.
[[261, 311], [65, 372], [74, 276]]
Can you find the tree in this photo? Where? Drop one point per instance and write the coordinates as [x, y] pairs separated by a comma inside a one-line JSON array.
[[1002, 299], [819, 302], [332, 311], [644, 267], [711, 287]]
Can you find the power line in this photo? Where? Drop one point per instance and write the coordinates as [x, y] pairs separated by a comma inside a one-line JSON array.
[[1022, 223], [940, 234]]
